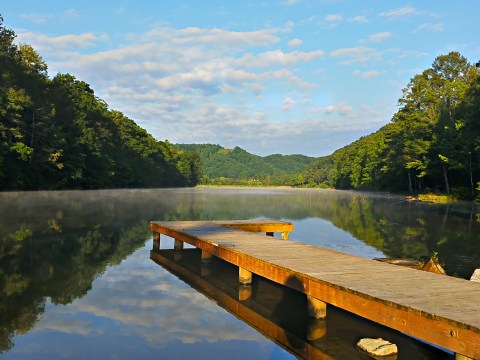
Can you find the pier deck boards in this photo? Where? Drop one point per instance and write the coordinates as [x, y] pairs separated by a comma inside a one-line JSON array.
[[439, 309]]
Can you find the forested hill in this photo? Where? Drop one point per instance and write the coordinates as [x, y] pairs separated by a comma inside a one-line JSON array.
[[219, 162], [432, 142], [56, 134]]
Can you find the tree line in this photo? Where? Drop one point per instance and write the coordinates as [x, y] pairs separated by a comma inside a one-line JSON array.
[[56, 134], [432, 142]]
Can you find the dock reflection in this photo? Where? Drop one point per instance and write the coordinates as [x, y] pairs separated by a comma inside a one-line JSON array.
[[281, 314]]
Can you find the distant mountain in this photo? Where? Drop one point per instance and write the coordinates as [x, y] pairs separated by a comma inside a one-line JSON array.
[[238, 163]]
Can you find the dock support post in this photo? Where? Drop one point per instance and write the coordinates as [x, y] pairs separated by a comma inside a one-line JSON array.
[[268, 233], [206, 257], [205, 269], [316, 308], [178, 245], [285, 235], [244, 292], [156, 241], [317, 328], [244, 276]]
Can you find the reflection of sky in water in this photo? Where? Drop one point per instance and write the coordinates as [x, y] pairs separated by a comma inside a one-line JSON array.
[[137, 310], [323, 233]]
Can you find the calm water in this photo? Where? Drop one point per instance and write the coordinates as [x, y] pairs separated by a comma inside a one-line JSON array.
[[77, 280]]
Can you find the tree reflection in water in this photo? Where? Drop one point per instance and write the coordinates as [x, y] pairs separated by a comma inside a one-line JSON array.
[[53, 245]]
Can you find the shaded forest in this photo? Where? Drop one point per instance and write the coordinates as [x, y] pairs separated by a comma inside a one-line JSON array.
[[56, 134]]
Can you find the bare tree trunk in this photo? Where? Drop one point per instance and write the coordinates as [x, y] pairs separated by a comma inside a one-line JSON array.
[[471, 177], [445, 176], [410, 188]]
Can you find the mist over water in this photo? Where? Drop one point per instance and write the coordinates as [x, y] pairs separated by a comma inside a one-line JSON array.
[[76, 280]]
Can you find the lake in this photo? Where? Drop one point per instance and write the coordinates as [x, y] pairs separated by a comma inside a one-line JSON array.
[[77, 280]]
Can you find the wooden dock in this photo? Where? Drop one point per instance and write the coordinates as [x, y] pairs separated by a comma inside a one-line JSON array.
[[279, 313], [438, 309]]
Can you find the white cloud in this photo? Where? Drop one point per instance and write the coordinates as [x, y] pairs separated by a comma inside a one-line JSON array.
[[400, 12], [357, 54], [55, 43], [341, 108], [378, 37], [289, 77], [367, 74], [277, 57], [288, 103], [295, 42], [225, 39], [438, 27], [333, 18], [361, 19]]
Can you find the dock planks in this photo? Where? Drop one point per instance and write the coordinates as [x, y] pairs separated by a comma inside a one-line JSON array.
[[438, 309]]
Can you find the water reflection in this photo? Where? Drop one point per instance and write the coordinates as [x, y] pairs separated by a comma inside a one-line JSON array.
[[60, 250], [280, 313], [135, 310]]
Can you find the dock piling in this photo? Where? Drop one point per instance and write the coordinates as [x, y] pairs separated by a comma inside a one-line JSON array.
[[206, 257], [316, 308], [178, 245], [244, 276], [244, 292], [156, 241], [317, 328]]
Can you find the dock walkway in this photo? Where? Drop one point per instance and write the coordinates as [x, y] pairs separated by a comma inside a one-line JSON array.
[[438, 309]]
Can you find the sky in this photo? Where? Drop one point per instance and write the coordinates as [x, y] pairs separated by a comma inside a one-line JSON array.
[[273, 76]]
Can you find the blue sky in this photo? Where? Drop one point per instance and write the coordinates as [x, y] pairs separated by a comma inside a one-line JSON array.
[[274, 76]]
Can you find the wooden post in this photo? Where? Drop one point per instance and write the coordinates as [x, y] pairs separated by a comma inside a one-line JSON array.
[[316, 308], [156, 241], [206, 257], [244, 292], [317, 328], [178, 245], [244, 276], [205, 269], [285, 235], [269, 233]]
